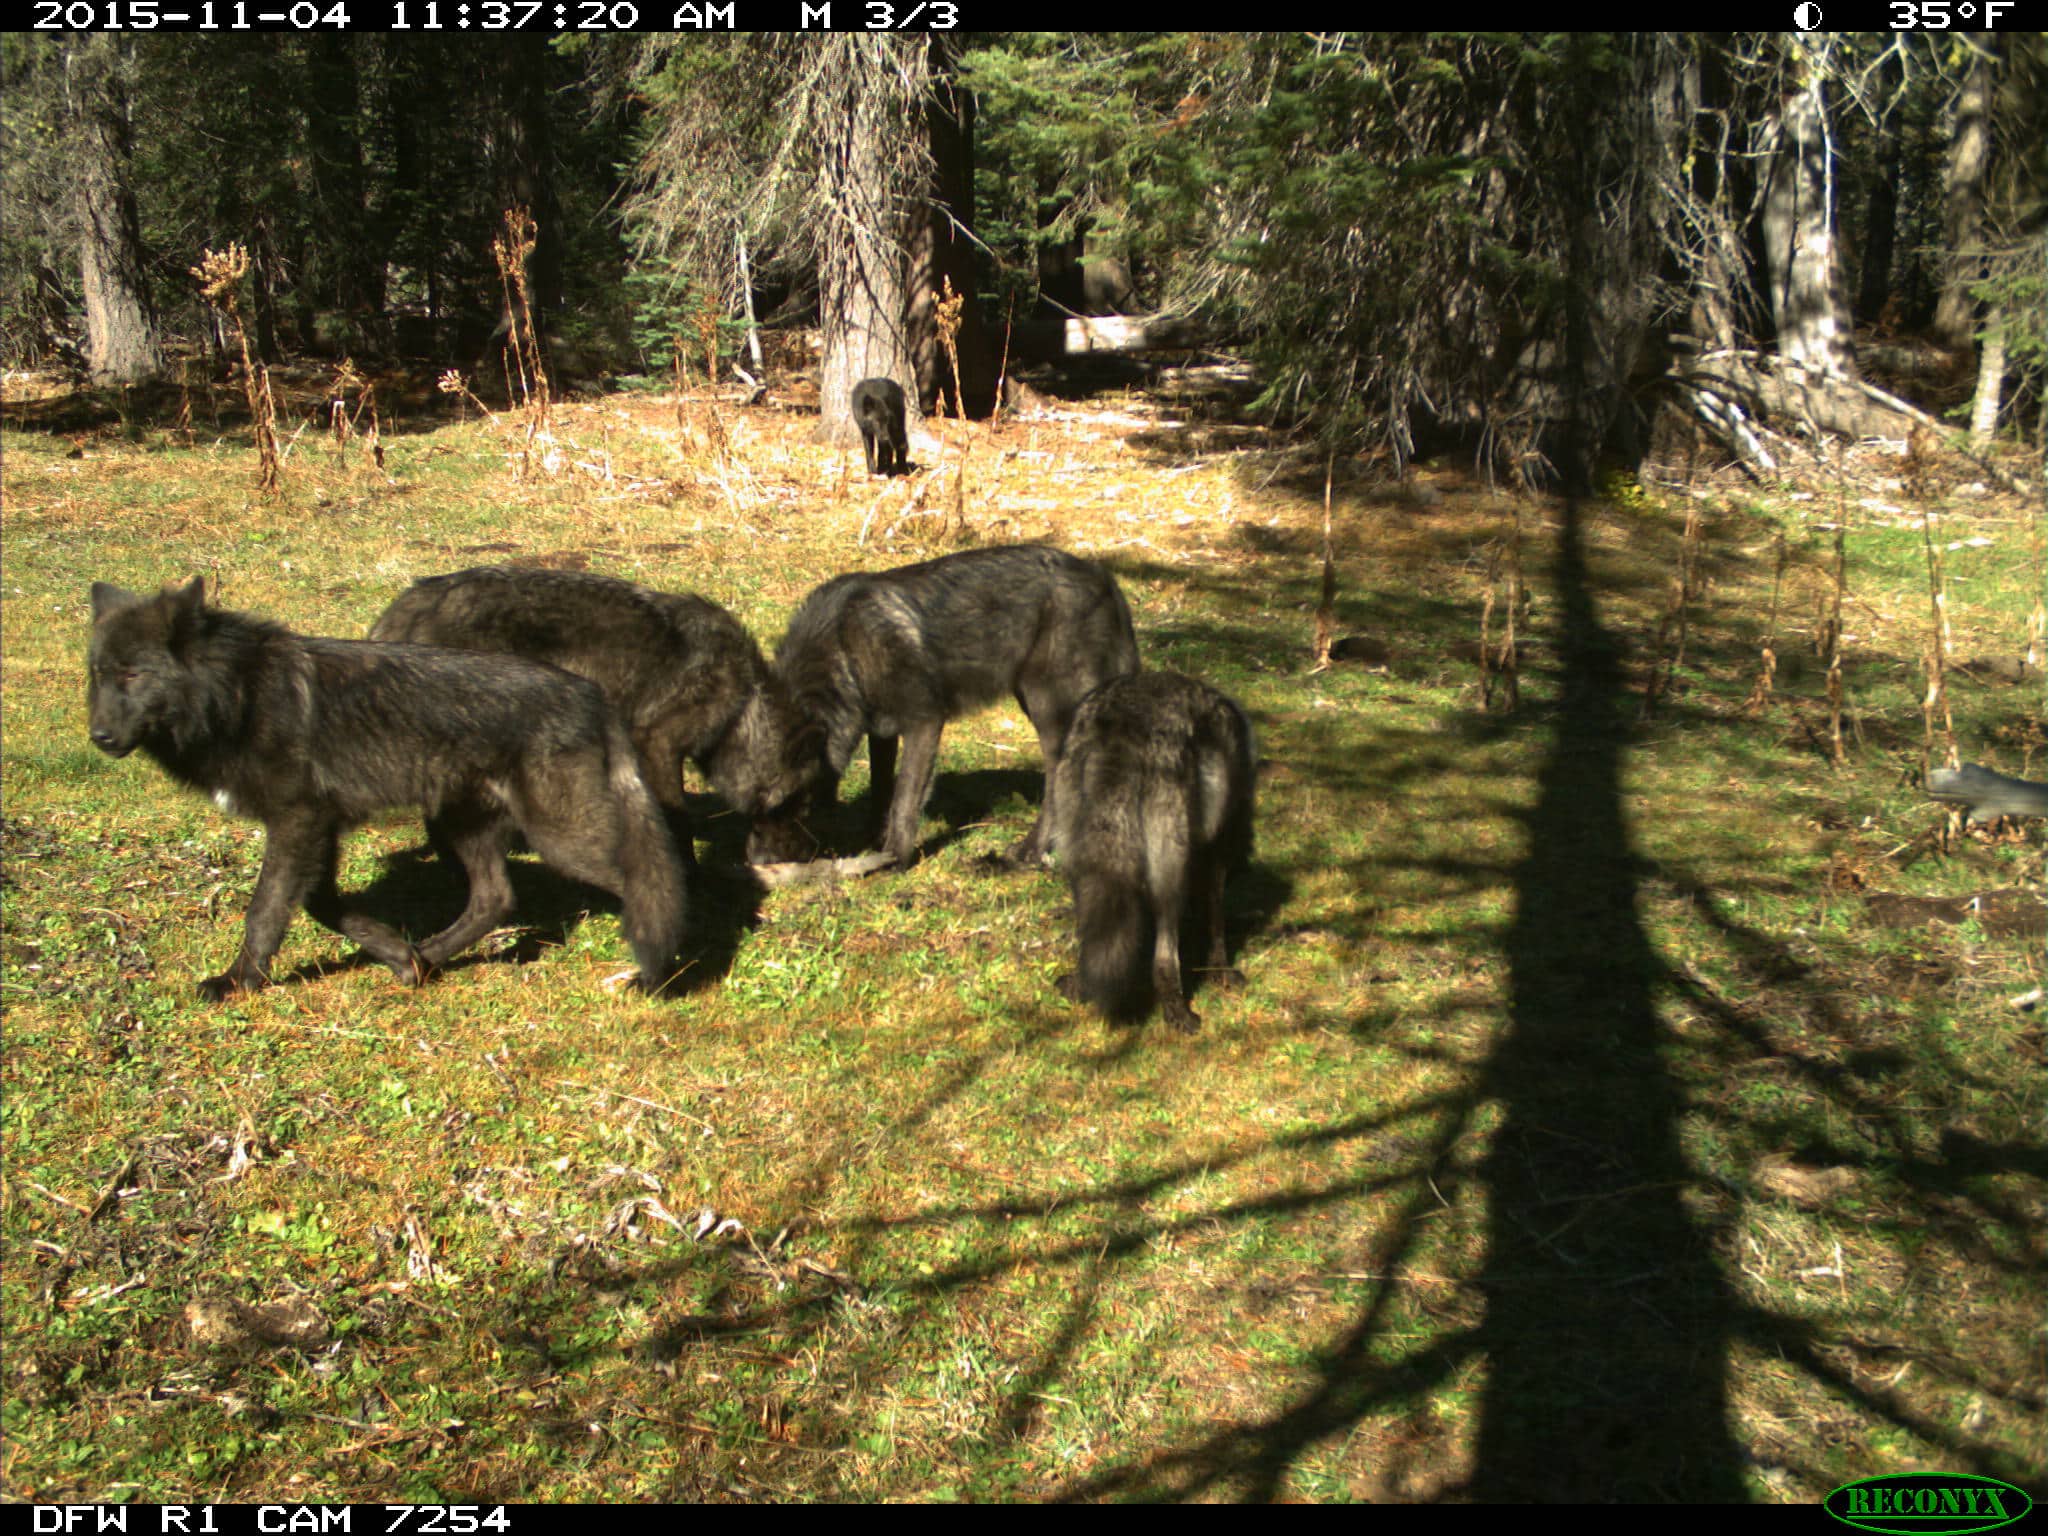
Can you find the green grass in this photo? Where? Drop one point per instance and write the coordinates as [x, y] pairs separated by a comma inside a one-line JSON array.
[[1577, 1134]]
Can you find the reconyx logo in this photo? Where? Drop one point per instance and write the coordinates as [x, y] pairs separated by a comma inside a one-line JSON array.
[[1950, 1503]]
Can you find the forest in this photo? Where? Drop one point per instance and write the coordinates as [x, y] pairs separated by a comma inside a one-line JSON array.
[[1606, 469]]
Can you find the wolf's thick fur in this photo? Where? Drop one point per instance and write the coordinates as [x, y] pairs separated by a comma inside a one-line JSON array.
[[899, 653], [878, 409], [308, 736], [1154, 796], [685, 677]]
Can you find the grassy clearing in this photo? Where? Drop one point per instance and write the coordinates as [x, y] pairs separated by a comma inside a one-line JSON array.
[[1580, 1133]]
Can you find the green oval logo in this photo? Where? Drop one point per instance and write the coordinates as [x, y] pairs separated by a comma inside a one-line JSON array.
[[1949, 1503]]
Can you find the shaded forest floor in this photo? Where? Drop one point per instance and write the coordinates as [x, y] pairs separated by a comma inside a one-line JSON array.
[[1621, 1105]]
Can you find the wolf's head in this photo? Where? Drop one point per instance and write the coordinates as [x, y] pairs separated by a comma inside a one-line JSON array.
[[772, 766], [137, 680]]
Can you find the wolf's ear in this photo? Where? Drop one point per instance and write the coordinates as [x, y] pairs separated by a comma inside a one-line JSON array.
[[182, 606], [108, 598]]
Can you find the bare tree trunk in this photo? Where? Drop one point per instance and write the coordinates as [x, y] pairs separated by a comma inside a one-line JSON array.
[[1807, 300], [940, 245], [1990, 380], [1881, 208], [1965, 187], [348, 261], [121, 344], [863, 272]]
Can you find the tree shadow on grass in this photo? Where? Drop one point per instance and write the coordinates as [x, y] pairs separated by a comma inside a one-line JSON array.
[[1608, 1319]]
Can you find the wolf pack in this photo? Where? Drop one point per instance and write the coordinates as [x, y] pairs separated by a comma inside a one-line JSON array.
[[563, 706]]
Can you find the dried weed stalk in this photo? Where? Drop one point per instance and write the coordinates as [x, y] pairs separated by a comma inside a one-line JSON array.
[[1939, 643], [454, 383], [219, 274], [1940, 639], [1831, 632], [949, 306], [345, 422], [1502, 664], [714, 431], [513, 250], [1326, 610], [1674, 629], [2036, 656], [1767, 654]]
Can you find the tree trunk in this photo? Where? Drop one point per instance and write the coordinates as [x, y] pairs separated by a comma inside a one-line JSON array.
[[348, 258], [1965, 187], [1990, 381], [524, 167], [1881, 208], [940, 247], [863, 274], [1800, 250], [121, 344]]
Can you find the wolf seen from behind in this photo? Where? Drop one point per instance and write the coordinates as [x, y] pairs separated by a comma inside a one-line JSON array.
[[1153, 790], [309, 736], [686, 679], [878, 409], [890, 654]]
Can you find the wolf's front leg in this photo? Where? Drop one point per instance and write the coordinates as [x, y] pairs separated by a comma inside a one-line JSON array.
[[296, 851]]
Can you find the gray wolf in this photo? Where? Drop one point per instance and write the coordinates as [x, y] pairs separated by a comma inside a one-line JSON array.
[[684, 676], [309, 736], [1153, 790], [890, 654], [878, 409]]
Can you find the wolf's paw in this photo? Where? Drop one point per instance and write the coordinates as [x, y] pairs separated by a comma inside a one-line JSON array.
[[639, 983], [1180, 1015], [218, 989], [415, 970], [1069, 987], [1226, 977]]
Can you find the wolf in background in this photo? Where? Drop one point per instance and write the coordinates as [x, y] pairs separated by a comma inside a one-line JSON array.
[[1153, 791], [684, 676], [309, 736], [890, 654], [878, 410]]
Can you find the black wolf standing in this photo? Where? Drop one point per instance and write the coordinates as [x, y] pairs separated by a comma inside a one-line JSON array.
[[878, 412], [686, 678], [1154, 796], [308, 736], [899, 653]]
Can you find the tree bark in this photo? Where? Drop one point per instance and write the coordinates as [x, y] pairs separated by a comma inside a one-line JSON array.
[[121, 345], [1990, 381], [1800, 249], [524, 161], [940, 245], [1881, 207], [863, 273], [348, 258], [1965, 191]]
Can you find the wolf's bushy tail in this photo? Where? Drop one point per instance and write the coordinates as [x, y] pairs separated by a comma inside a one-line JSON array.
[[1114, 919], [652, 903]]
